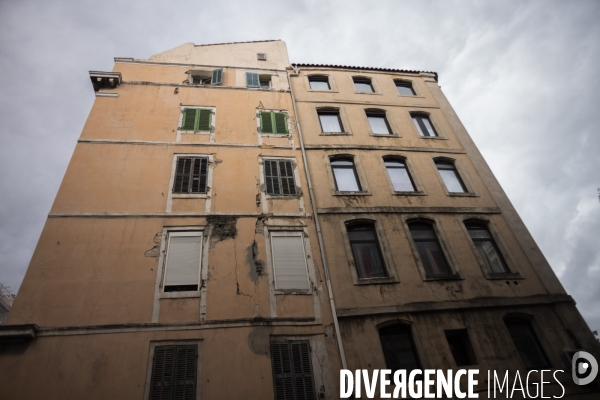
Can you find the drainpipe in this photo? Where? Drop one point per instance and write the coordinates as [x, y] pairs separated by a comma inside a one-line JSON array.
[[318, 226]]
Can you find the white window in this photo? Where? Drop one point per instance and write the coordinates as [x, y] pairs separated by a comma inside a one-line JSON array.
[[289, 261], [183, 261]]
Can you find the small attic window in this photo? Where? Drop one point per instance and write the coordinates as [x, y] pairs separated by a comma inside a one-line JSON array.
[[261, 57]]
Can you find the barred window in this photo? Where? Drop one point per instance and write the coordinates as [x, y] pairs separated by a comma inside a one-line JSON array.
[[292, 371], [174, 373], [191, 175], [279, 177]]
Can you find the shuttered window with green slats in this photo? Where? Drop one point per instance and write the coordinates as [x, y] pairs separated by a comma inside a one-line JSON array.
[[217, 76], [174, 370], [279, 178], [196, 119], [292, 371], [273, 123]]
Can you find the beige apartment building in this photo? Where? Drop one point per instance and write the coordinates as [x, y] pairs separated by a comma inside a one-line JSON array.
[[235, 226]]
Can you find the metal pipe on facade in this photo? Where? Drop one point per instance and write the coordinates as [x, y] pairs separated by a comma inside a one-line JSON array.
[[318, 226]]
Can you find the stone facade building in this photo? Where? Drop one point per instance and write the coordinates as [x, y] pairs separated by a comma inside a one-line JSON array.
[[234, 226]]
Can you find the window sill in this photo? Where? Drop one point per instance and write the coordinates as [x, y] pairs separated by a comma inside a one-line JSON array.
[[280, 135], [322, 91], [393, 135], [189, 196], [293, 291], [433, 137], [335, 133], [452, 277], [371, 93], [282, 196], [336, 193], [376, 281], [194, 132], [410, 193], [503, 276], [411, 96], [180, 295], [463, 194]]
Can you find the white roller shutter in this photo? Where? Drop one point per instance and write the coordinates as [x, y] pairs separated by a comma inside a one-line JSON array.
[[183, 258], [289, 261]]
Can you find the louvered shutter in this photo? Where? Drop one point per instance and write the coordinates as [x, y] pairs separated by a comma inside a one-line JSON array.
[[286, 174], [183, 259], [303, 378], [292, 371], [282, 371], [189, 119], [204, 119], [162, 373], [271, 178], [252, 79], [182, 175], [280, 123], [290, 262], [198, 178], [217, 77], [266, 122], [185, 373]]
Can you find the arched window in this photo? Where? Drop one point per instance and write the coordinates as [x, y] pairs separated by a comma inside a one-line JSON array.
[[366, 250], [423, 124], [319, 82], [399, 348], [399, 175], [404, 88], [363, 84], [527, 343], [378, 121], [450, 176], [344, 174], [429, 249], [330, 120], [493, 261]]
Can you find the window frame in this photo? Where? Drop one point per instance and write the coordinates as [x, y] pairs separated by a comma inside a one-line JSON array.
[[190, 184], [332, 85], [203, 73], [345, 125], [210, 132], [150, 364], [289, 233], [413, 336], [412, 171], [263, 181], [453, 265], [358, 170], [500, 245], [372, 81], [209, 178], [182, 233], [415, 87], [460, 332], [538, 337], [386, 256], [391, 125], [464, 177], [441, 135], [288, 124], [261, 56]]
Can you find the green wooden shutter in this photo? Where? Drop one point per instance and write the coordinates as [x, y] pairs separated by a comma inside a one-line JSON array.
[[204, 119], [189, 119], [280, 123], [252, 79], [217, 76], [266, 122]]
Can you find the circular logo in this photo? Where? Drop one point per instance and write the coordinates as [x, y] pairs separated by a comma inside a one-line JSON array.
[[584, 367]]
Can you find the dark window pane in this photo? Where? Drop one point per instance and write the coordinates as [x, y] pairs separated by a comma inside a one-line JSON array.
[[319, 83], [379, 124], [429, 249], [366, 251], [461, 348], [345, 176], [487, 248], [527, 344], [399, 349], [330, 122], [265, 84], [399, 176], [423, 125], [450, 177], [405, 89], [363, 85]]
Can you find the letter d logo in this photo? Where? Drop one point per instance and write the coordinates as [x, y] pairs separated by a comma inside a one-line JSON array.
[[584, 367]]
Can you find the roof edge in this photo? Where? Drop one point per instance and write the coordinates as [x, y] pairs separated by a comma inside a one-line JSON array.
[[405, 71]]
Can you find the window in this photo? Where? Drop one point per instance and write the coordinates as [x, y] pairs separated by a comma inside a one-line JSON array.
[[378, 122], [289, 260], [429, 249], [344, 174], [252, 80], [399, 348], [330, 121], [366, 250], [200, 77], [196, 119], [272, 122], [191, 175], [405, 88], [363, 85], [424, 125], [527, 344], [279, 177], [319, 82], [488, 250], [261, 57], [174, 371], [292, 371], [182, 266], [265, 82], [461, 348], [401, 179], [450, 177]]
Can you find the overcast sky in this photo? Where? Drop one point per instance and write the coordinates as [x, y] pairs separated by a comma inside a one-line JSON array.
[[522, 75]]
